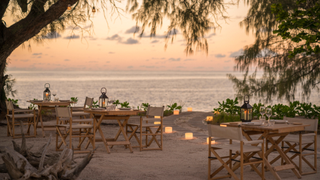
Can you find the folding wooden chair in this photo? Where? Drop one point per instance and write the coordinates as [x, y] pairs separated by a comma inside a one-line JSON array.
[[82, 115], [73, 130], [23, 114], [300, 144], [241, 150], [145, 129]]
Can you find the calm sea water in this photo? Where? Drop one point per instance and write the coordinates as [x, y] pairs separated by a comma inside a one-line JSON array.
[[199, 90]]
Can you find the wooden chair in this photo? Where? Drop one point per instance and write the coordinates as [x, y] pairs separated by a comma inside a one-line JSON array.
[[144, 127], [245, 150], [14, 114], [72, 130], [300, 144], [82, 115]]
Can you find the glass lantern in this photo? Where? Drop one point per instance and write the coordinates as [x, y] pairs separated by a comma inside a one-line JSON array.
[[103, 99], [246, 110], [46, 92]]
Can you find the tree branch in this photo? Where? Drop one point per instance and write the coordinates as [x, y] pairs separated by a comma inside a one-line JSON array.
[[3, 6]]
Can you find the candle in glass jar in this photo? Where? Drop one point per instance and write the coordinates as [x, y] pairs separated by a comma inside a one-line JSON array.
[[47, 94], [104, 104]]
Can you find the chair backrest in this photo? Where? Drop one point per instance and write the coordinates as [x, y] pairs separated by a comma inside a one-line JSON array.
[[155, 111], [313, 122], [234, 133], [88, 102], [63, 112], [9, 105]]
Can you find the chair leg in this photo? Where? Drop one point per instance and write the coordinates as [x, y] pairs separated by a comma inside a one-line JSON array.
[[13, 128], [8, 127]]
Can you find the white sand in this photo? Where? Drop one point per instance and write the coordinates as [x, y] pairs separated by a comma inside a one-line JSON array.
[[180, 159]]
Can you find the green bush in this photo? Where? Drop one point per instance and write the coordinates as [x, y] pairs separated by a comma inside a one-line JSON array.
[[295, 108], [224, 117]]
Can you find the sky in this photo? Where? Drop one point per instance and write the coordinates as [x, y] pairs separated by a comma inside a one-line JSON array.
[[114, 46]]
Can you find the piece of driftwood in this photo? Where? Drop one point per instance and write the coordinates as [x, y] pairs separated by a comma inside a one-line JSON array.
[[62, 166]]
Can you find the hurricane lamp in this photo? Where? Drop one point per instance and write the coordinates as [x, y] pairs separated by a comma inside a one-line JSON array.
[[103, 99], [246, 110], [46, 92]]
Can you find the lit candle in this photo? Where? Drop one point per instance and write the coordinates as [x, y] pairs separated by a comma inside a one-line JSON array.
[[176, 112], [212, 142], [157, 117], [157, 122], [103, 104], [209, 118], [168, 130], [189, 109], [47, 94], [223, 125], [189, 135]]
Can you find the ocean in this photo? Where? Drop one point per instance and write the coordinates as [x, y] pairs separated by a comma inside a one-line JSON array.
[[199, 90]]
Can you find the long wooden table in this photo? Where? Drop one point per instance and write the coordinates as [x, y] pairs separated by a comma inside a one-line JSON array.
[[120, 115], [273, 134], [46, 105]]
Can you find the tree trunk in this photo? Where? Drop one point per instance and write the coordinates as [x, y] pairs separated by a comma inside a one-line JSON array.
[[12, 37]]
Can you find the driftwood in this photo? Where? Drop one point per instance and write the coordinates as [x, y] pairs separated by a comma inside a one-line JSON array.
[[17, 163]]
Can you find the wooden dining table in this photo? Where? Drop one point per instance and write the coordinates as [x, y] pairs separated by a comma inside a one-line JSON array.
[[44, 106], [121, 116], [274, 135]]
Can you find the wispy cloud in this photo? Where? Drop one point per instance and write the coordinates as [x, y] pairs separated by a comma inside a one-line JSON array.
[[115, 37], [133, 29], [210, 35], [237, 53], [130, 41], [72, 37], [24, 60], [173, 59], [189, 59], [227, 61], [150, 67], [155, 41], [111, 52], [130, 67], [51, 35], [36, 54], [67, 60], [219, 55]]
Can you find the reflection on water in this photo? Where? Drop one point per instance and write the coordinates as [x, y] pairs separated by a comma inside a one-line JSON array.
[[199, 90]]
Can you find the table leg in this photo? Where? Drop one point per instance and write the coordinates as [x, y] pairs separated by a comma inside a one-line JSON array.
[[121, 125], [40, 117], [289, 165], [101, 133]]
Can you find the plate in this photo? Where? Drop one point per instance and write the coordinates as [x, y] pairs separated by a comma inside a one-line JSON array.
[[124, 108], [280, 121], [251, 124]]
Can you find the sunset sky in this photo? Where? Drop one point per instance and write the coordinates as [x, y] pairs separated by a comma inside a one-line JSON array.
[[117, 48]]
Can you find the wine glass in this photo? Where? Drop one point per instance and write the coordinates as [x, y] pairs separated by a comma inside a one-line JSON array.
[[269, 114], [54, 93], [262, 112]]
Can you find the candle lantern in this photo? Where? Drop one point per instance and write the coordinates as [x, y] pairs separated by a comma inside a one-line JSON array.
[[176, 112], [189, 135], [246, 110], [46, 92], [168, 130], [189, 109], [103, 99]]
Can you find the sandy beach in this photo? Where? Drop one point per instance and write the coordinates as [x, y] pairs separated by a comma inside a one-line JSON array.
[[180, 158]]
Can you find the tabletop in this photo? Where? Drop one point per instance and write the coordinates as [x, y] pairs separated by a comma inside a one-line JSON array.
[[116, 112], [278, 128], [50, 103]]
